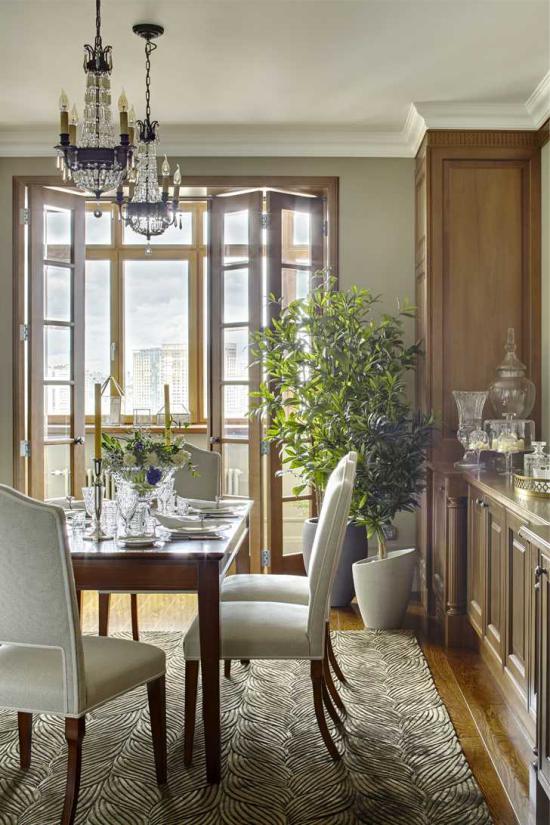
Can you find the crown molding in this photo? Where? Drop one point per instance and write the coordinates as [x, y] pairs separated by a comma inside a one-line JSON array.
[[538, 104], [318, 140]]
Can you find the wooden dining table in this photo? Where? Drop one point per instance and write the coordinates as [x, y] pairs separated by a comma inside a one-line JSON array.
[[179, 566]]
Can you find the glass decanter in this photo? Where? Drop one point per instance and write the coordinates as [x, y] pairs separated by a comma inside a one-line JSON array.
[[512, 392], [534, 463], [470, 411]]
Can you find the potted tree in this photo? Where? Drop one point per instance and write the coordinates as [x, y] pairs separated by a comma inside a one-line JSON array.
[[335, 381]]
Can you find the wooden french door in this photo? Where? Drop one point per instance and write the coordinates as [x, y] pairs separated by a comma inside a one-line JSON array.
[[55, 404], [295, 251], [235, 304]]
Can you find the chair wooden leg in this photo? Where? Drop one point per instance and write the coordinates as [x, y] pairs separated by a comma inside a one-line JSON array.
[[317, 683], [74, 733], [156, 693], [332, 657], [227, 668], [331, 710], [135, 618], [104, 605], [331, 687], [191, 684], [24, 722]]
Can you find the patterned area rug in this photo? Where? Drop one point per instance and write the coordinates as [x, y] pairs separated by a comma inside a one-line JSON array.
[[402, 761]]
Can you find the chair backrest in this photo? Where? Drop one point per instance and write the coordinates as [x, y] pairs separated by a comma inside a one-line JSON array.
[[327, 546], [207, 483], [37, 591]]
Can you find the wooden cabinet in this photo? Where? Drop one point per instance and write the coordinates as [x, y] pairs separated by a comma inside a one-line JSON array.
[[476, 561], [543, 681], [519, 595], [494, 578]]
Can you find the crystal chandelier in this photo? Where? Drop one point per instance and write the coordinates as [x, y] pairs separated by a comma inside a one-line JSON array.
[[149, 210], [99, 162]]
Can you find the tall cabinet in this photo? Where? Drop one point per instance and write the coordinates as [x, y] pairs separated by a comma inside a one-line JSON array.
[[477, 274]]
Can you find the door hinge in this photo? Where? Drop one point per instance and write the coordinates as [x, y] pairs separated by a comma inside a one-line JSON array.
[[24, 216], [266, 557], [325, 229], [264, 220], [24, 332], [25, 449]]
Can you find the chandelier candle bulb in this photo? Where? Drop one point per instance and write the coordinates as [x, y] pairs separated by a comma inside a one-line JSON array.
[[123, 111], [73, 123], [177, 183], [131, 126], [64, 113], [167, 416], [97, 421]]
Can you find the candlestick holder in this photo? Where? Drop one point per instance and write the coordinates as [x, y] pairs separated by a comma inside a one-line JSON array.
[[96, 533]]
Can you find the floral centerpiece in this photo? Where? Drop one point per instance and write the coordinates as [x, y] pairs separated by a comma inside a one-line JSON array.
[[144, 462]]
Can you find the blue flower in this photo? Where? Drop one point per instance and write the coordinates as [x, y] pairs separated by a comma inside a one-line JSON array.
[[154, 475]]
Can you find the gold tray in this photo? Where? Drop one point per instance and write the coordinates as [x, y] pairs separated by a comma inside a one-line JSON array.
[[535, 487]]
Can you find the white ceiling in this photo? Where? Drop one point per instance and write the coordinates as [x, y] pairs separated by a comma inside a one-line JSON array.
[[290, 76]]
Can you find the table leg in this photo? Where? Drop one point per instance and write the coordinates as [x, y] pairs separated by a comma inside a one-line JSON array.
[[104, 605], [209, 632]]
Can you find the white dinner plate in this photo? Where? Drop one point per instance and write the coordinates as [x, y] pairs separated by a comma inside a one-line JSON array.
[[138, 541]]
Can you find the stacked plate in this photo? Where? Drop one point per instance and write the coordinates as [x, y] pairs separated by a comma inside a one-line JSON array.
[[182, 527]]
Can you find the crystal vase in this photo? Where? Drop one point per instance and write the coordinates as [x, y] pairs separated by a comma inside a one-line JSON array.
[[470, 412]]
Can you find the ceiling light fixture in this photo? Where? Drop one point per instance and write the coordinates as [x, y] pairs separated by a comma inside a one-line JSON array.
[[149, 210], [98, 163]]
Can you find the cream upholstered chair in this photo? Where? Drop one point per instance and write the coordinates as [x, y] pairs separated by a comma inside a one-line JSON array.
[[280, 588], [46, 665], [205, 485], [276, 630]]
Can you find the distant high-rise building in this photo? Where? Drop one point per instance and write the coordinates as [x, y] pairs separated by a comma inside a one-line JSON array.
[[154, 367]]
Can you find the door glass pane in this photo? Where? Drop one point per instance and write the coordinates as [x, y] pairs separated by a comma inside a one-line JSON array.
[[57, 352], [99, 231], [172, 235], [296, 236], [57, 234], [205, 225], [156, 339], [205, 338], [235, 237], [57, 293], [235, 353], [235, 409], [97, 328], [235, 296], [57, 411], [294, 515], [296, 283], [57, 470], [235, 469]]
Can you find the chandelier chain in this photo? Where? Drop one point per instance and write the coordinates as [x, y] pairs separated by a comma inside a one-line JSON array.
[[149, 47], [98, 43]]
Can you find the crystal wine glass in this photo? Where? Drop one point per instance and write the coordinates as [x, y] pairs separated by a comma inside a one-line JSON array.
[[127, 499], [479, 441]]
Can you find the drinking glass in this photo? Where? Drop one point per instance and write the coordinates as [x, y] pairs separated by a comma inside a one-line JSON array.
[[127, 499], [88, 494], [109, 513], [165, 495]]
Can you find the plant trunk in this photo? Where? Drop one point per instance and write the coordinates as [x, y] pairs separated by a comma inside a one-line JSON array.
[[382, 550]]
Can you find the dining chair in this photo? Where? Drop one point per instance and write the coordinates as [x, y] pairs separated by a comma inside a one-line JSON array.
[[281, 588], [46, 665], [276, 630], [206, 484]]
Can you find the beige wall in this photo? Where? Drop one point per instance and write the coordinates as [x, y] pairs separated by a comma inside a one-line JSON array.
[[376, 239], [545, 338]]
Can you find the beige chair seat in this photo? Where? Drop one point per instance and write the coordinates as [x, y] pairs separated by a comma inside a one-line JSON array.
[[259, 587], [32, 677], [257, 630]]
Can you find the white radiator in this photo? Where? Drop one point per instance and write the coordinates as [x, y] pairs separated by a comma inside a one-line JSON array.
[[232, 481]]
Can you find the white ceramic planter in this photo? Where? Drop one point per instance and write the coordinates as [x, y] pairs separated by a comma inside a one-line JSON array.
[[383, 587]]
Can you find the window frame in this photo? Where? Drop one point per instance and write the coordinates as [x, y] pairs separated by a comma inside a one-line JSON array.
[[117, 253]]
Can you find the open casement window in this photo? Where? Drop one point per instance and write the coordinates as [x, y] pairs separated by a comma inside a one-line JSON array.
[[235, 312], [295, 251], [55, 405]]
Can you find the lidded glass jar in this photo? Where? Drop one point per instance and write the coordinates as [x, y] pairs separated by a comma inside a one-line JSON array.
[[512, 392], [537, 463]]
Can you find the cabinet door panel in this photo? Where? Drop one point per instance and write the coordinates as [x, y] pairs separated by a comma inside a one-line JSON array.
[[494, 591], [543, 718], [476, 562], [517, 604]]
